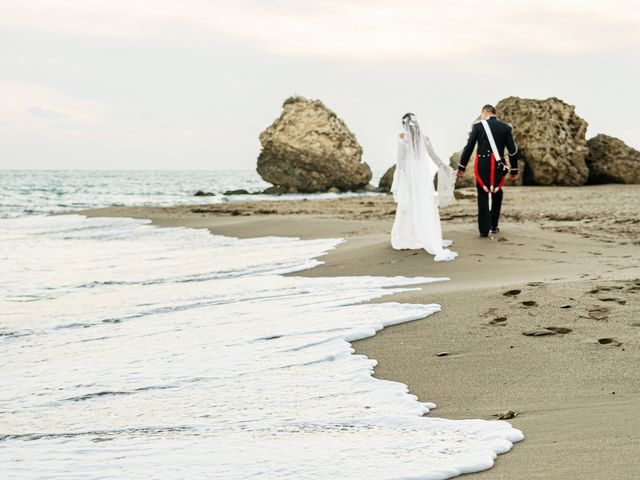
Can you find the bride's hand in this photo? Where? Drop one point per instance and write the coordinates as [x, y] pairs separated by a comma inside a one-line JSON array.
[[403, 136]]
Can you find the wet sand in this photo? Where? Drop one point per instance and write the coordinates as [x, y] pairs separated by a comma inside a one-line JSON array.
[[567, 259]]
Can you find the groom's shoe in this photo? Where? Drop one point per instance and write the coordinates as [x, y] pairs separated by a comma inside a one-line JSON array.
[[495, 230], [484, 235]]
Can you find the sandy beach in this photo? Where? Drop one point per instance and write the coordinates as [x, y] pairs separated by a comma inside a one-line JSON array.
[[542, 318]]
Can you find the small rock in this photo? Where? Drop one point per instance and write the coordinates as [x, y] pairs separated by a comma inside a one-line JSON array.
[[506, 415], [275, 190], [387, 179], [236, 192], [200, 193], [566, 305], [442, 354]]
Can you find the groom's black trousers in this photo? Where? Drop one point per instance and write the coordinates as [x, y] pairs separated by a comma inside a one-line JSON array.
[[488, 218]]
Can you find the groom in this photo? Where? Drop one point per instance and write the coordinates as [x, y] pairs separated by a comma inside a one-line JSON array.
[[490, 168]]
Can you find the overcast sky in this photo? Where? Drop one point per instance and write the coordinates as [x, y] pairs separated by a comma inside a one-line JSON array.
[[190, 84]]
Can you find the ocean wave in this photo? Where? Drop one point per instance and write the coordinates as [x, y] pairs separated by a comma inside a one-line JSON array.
[[120, 367]]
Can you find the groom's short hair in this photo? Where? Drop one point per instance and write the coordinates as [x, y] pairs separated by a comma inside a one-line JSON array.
[[489, 108]]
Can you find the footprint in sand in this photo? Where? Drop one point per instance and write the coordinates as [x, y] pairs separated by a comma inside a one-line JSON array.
[[535, 284], [500, 321], [512, 293], [607, 288], [543, 332], [538, 332], [598, 312], [491, 311], [619, 301], [609, 341], [529, 303], [634, 287], [560, 330]]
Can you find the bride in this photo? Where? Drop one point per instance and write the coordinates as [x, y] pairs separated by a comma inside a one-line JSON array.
[[417, 222]]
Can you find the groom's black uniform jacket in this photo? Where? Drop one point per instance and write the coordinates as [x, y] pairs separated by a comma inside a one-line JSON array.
[[485, 162]]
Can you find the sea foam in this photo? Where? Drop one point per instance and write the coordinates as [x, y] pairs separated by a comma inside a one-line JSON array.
[[137, 352]]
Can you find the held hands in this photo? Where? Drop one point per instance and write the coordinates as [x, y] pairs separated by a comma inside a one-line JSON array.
[[459, 174]]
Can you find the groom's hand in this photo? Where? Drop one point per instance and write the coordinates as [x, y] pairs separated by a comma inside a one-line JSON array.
[[514, 178], [459, 174]]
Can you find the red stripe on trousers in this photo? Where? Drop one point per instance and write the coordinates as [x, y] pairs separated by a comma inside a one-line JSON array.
[[478, 179]]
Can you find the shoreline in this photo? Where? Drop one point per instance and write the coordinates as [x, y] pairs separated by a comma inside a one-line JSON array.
[[562, 384]]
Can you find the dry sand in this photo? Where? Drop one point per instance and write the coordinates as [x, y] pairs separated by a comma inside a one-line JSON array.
[[574, 252]]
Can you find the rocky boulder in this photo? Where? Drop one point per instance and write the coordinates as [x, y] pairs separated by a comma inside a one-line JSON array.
[[610, 160], [550, 138], [275, 190], [309, 148], [236, 192], [469, 178], [384, 185]]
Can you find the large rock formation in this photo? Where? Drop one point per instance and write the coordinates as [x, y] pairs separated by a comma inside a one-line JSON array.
[[551, 140], [610, 160], [310, 149]]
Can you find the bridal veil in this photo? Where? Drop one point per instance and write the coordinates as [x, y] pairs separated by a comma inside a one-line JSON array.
[[417, 221]]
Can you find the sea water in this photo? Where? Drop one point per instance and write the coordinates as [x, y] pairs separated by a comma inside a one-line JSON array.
[[29, 192], [136, 352]]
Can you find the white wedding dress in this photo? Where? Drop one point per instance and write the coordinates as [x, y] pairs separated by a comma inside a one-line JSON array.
[[417, 222]]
